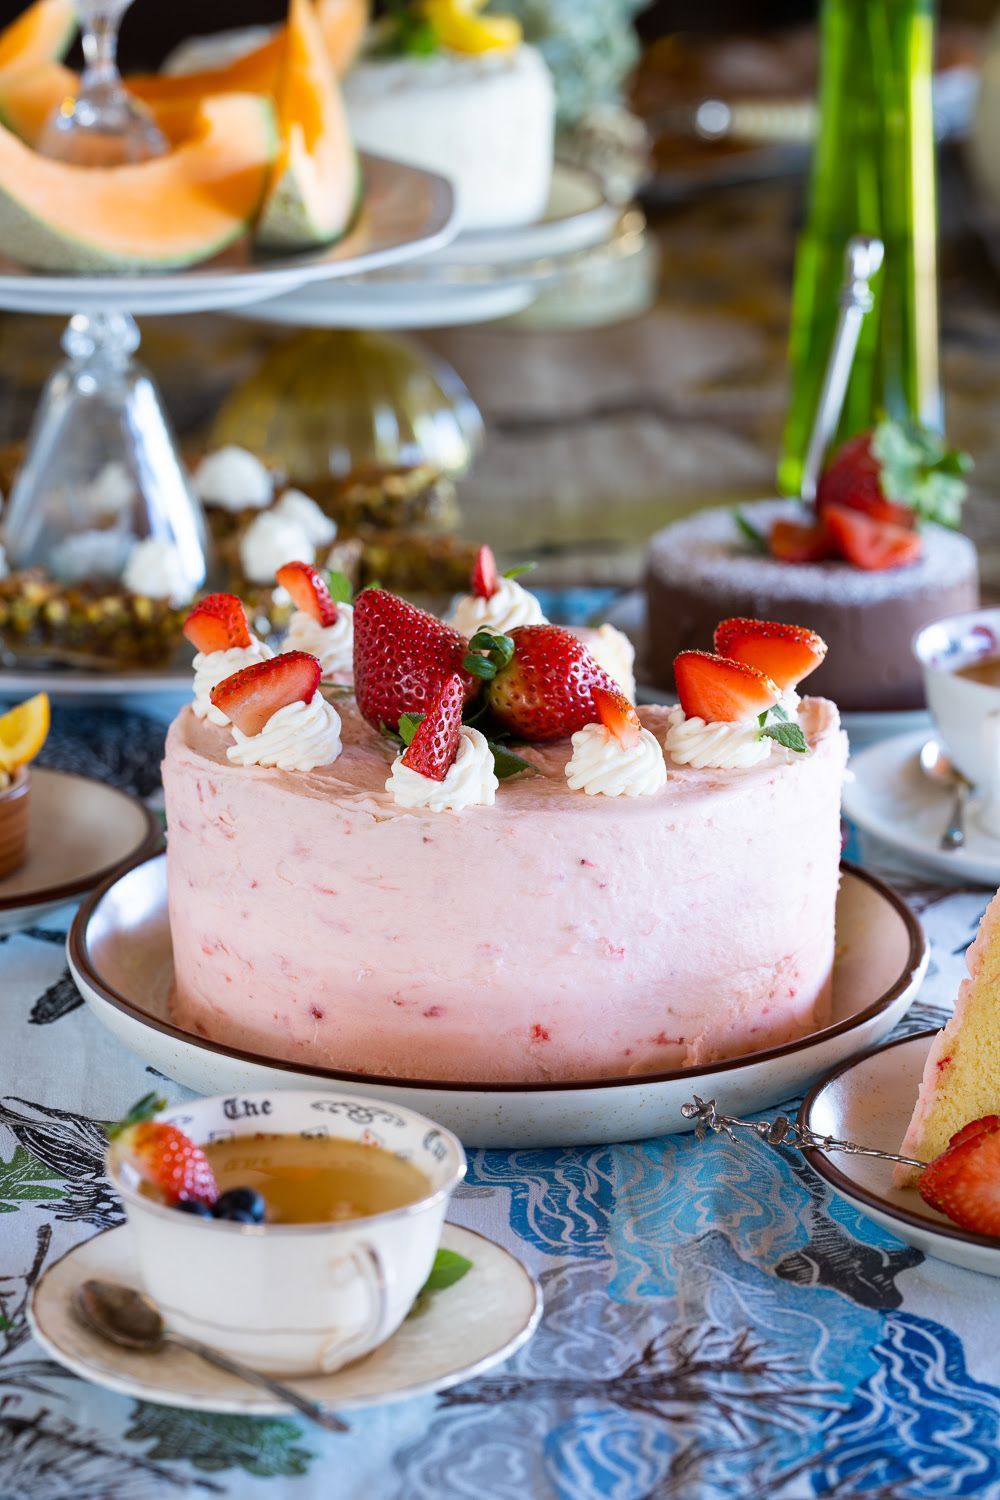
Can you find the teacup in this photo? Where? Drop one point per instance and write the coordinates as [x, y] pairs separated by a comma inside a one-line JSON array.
[[966, 712], [295, 1299]]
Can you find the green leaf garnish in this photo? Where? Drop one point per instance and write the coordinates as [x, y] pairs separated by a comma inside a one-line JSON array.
[[498, 652], [340, 587], [920, 471], [143, 1109], [756, 538], [448, 1268], [519, 568], [506, 762], [404, 32], [408, 726], [789, 735], [479, 666], [779, 714]]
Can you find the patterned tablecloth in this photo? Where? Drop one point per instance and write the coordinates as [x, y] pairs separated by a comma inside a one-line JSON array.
[[716, 1323]]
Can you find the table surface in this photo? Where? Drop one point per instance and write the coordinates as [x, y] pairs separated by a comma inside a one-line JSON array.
[[716, 1323]]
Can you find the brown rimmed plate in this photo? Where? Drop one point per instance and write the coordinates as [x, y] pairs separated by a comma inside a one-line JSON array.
[[82, 832], [869, 1099], [121, 959]]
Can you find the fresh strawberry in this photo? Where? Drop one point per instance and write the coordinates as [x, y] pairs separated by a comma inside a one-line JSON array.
[[402, 657], [721, 691], [785, 653], [309, 592], [872, 545], [162, 1155], [217, 623], [434, 746], [964, 1182], [540, 681], [898, 473], [485, 579], [974, 1128], [250, 697], [618, 716], [795, 542]]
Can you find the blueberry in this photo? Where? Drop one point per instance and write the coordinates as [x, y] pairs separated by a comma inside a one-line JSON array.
[[193, 1206], [240, 1205]]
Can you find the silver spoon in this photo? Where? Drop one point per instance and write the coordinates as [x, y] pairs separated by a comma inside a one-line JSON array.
[[938, 768], [127, 1318], [780, 1131]]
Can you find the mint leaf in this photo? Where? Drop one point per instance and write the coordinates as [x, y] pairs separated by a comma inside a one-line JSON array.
[[506, 762], [515, 572], [789, 735], [448, 1268], [408, 726], [340, 587], [756, 538], [779, 713], [917, 469]]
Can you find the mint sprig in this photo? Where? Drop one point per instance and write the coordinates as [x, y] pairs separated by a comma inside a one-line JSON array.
[[448, 1268], [774, 724], [920, 471]]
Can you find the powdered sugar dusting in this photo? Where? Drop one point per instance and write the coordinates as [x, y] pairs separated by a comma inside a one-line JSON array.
[[709, 549]]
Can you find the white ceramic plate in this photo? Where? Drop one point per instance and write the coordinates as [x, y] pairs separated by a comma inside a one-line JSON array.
[[121, 959], [375, 305], [407, 212], [80, 833], [577, 217], [466, 1329], [869, 1100], [628, 614], [890, 798]]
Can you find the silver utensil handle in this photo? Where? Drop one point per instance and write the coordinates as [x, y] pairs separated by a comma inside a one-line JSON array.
[[314, 1410], [954, 835]]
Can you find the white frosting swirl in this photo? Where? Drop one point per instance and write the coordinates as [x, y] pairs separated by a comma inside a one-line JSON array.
[[602, 765], [296, 738], [726, 746], [270, 541], [233, 479], [332, 644], [213, 667], [296, 506], [111, 491], [509, 607], [156, 569], [470, 782], [612, 650]]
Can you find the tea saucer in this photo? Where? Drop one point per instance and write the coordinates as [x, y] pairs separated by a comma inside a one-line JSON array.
[[80, 832], [890, 798], [465, 1330], [869, 1099]]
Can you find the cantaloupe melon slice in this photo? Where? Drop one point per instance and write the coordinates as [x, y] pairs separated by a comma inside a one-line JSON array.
[[157, 215], [41, 34], [30, 96], [314, 182]]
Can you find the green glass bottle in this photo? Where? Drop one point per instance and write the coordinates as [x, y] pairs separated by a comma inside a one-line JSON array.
[[873, 173]]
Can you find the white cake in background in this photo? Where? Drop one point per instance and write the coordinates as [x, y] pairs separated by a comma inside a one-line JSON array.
[[485, 120]]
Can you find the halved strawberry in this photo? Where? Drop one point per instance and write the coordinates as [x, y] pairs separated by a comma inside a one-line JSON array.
[[618, 716], [898, 472], [250, 697], [785, 653], [485, 579], [796, 542], [217, 623], [435, 744], [541, 687], [309, 592], [162, 1155], [402, 657], [721, 691], [873, 545], [964, 1182], [853, 478], [974, 1128]]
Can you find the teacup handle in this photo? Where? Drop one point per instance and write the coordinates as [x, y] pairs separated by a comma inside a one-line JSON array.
[[372, 1270], [988, 815]]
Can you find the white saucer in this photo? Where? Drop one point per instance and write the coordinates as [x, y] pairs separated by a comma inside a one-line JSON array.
[[890, 798], [80, 832], [395, 305], [577, 217], [465, 1330], [869, 1100], [121, 959]]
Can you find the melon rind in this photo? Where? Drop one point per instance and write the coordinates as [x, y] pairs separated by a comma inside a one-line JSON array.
[[296, 215]]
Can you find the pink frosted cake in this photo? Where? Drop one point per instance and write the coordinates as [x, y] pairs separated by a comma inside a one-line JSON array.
[[614, 908]]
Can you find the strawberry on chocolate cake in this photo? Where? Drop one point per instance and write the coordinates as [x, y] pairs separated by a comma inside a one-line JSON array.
[[486, 865]]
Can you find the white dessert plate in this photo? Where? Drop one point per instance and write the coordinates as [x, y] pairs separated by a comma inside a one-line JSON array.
[[121, 959], [396, 305], [628, 614], [464, 1330], [890, 798], [80, 832], [869, 1100], [407, 212], [577, 217]]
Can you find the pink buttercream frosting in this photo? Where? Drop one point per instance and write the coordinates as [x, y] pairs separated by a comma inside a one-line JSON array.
[[549, 936]]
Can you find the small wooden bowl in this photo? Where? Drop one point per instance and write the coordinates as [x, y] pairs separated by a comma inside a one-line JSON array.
[[15, 806]]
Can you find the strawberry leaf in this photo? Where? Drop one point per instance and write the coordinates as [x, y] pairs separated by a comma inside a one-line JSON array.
[[408, 726], [340, 587], [519, 568], [789, 735], [756, 538], [506, 763], [479, 666]]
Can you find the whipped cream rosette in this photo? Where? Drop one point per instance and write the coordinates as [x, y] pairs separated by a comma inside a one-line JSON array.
[[616, 757], [447, 765], [278, 715], [495, 602], [320, 625], [233, 479]]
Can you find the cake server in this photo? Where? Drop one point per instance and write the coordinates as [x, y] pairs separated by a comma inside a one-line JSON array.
[[781, 1131]]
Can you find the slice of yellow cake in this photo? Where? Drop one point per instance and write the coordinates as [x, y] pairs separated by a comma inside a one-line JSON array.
[[961, 1079]]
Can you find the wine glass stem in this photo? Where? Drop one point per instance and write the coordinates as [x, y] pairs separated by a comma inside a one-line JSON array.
[[99, 40]]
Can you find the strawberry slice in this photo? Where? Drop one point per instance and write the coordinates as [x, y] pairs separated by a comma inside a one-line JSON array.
[[402, 658], [309, 592], [721, 691], [250, 697], [485, 579], [435, 744], [974, 1128], [785, 653], [217, 623], [162, 1155], [795, 542], [964, 1181], [872, 545], [618, 716]]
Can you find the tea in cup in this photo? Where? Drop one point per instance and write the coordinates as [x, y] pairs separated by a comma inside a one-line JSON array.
[[960, 658]]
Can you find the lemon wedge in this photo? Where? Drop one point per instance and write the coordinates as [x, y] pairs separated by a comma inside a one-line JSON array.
[[460, 26], [23, 730]]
